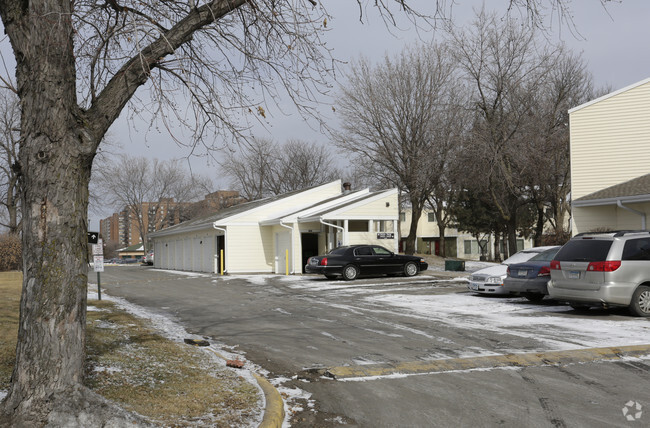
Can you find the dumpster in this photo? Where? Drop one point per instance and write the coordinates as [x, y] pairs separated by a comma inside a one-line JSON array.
[[455, 265]]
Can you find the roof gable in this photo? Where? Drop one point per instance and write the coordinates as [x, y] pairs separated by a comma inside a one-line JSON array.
[[610, 95]]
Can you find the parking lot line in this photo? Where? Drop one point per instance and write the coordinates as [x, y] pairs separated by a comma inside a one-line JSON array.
[[573, 356]]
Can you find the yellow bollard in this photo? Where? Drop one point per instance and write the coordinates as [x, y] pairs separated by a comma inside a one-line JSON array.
[[221, 260]]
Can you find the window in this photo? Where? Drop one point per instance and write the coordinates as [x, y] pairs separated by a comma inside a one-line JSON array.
[[363, 251], [637, 249], [383, 226], [381, 251], [431, 217], [520, 244], [358, 226], [402, 216], [468, 244]]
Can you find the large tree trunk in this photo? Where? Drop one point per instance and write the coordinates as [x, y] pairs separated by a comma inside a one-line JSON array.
[[441, 233], [55, 201], [416, 213]]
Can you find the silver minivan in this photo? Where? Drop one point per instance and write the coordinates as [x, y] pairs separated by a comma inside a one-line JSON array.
[[604, 269]]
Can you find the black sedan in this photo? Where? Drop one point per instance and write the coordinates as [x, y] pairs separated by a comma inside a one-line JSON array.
[[529, 279], [350, 262]]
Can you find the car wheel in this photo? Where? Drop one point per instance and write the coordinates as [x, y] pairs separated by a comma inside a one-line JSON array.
[[534, 297], [640, 305], [410, 269], [330, 276], [350, 272]]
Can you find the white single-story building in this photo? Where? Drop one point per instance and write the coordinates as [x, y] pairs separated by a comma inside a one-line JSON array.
[[610, 161], [278, 234]]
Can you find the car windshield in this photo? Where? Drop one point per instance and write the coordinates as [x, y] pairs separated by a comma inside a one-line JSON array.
[[546, 256], [584, 250]]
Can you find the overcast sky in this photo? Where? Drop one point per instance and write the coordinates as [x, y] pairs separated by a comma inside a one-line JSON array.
[[613, 41]]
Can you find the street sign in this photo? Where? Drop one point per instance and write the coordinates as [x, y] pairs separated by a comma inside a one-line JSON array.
[[93, 237], [98, 262], [98, 249]]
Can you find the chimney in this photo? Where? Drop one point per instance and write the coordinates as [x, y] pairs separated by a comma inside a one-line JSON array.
[[346, 188]]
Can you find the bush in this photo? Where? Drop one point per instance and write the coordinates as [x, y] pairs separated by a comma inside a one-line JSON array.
[[11, 253]]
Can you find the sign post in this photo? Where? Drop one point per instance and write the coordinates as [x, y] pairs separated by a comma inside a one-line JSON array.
[[98, 264]]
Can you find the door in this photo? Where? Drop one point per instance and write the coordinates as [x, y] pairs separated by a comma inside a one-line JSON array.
[[309, 244], [220, 251], [282, 245]]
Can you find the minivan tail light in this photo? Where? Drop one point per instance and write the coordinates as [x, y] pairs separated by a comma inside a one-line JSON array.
[[545, 271], [323, 261], [555, 265], [607, 266]]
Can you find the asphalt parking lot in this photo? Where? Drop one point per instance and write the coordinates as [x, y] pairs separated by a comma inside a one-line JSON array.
[[420, 351]]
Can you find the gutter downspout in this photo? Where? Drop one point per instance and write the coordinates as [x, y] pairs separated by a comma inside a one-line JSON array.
[[225, 232], [292, 230], [640, 213], [345, 238]]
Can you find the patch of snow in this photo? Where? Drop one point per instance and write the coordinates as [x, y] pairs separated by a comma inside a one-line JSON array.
[[291, 406], [365, 362], [104, 324], [109, 370], [509, 316], [3, 394], [186, 273], [282, 311], [91, 308], [326, 334], [405, 375]]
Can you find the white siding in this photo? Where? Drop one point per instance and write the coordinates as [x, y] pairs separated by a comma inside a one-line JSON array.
[[376, 209], [250, 249], [608, 217], [610, 141]]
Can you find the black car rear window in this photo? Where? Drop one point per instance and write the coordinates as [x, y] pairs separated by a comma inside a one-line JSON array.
[[546, 256], [339, 251], [584, 250]]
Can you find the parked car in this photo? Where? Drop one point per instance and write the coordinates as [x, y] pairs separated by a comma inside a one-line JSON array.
[[490, 279], [148, 259], [530, 278], [352, 261], [604, 269]]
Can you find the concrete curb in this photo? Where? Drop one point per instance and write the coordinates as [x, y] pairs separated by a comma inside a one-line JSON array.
[[274, 410], [492, 361]]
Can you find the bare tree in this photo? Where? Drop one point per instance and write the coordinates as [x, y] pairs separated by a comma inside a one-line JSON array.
[[248, 170], [153, 193], [501, 61], [9, 143], [393, 121], [568, 84], [263, 168]]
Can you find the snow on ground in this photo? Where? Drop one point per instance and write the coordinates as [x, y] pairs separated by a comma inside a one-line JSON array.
[[515, 317], [175, 332], [186, 273]]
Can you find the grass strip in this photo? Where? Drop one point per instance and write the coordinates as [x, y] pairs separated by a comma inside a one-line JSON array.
[[127, 361]]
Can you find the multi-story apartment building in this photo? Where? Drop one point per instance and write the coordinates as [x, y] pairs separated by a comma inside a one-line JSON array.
[[126, 226]]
